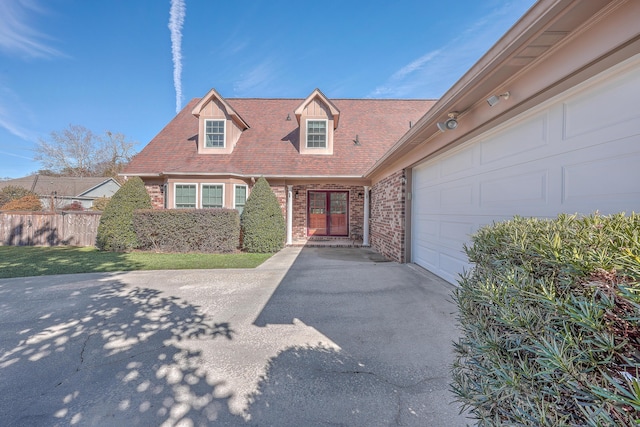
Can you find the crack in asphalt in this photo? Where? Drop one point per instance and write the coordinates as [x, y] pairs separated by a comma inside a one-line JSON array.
[[84, 346]]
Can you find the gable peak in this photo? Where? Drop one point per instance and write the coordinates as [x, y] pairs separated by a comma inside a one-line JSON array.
[[317, 94]]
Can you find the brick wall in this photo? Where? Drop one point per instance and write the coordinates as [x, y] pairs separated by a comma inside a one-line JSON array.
[[281, 194], [156, 194], [387, 217]]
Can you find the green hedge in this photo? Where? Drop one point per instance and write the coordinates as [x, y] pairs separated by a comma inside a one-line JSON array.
[[115, 231], [188, 230], [263, 226], [550, 317]]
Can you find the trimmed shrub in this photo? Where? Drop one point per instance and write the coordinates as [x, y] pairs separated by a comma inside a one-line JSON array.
[[30, 202], [12, 192], [115, 231], [188, 230], [262, 222], [550, 316]]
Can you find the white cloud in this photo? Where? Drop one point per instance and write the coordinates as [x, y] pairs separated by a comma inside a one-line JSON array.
[[259, 77], [13, 112], [17, 33], [433, 73], [6, 153], [176, 21]]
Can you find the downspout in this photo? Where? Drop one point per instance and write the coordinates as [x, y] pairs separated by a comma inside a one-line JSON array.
[[365, 225], [289, 214]]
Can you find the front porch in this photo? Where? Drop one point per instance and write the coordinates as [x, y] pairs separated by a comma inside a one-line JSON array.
[[327, 242], [325, 214]]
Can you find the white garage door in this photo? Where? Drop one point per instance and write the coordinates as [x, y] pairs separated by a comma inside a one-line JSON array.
[[579, 153]]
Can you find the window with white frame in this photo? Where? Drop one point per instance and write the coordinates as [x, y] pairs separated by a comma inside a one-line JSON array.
[[316, 133], [240, 197], [212, 195], [214, 133], [185, 195]]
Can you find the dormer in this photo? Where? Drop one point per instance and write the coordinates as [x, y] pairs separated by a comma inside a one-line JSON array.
[[219, 125], [318, 119]]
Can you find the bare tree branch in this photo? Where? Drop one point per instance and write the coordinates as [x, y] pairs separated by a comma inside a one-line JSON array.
[[77, 151]]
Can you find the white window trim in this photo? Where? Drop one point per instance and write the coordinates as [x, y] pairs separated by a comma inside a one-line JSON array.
[[234, 193], [221, 184], [326, 134], [224, 133], [175, 193]]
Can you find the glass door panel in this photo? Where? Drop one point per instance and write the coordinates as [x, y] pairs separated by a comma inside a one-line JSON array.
[[338, 214], [328, 213], [317, 213]]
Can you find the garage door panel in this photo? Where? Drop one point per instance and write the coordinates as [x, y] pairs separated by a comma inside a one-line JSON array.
[[515, 189], [429, 178], [427, 201], [608, 179], [427, 228], [428, 257], [577, 154], [617, 102], [459, 162], [517, 142], [454, 234], [458, 197], [453, 263]]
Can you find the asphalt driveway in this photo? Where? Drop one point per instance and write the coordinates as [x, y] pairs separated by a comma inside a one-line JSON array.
[[313, 337]]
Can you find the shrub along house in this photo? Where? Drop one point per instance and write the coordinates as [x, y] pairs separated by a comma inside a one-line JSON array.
[[545, 122]]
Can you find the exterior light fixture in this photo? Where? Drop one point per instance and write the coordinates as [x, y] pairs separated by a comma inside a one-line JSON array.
[[493, 100], [450, 124], [288, 117], [356, 141]]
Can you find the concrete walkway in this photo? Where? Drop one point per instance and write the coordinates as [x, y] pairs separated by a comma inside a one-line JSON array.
[[313, 337]]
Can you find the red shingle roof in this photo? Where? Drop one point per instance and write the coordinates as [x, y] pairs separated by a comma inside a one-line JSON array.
[[270, 146]]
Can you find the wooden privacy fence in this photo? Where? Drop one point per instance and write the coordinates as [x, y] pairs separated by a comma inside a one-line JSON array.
[[49, 228]]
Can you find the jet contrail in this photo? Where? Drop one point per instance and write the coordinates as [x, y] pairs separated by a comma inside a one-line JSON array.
[[176, 19]]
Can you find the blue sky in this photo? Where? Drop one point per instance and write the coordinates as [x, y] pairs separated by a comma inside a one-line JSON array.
[[108, 65]]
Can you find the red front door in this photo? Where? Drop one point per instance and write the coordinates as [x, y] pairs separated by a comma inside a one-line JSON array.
[[328, 213]]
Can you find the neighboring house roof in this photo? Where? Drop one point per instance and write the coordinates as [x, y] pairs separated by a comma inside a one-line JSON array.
[[270, 144], [62, 186]]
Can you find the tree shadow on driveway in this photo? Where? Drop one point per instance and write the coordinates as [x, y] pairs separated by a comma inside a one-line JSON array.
[[394, 326], [102, 353]]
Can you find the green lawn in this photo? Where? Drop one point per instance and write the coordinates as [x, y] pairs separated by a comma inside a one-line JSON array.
[[22, 261]]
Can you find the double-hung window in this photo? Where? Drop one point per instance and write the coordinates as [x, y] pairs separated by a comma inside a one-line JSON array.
[[212, 196], [214, 133], [185, 195], [240, 197], [316, 133]]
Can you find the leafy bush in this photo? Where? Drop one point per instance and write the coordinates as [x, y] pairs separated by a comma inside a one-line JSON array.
[[100, 203], [30, 202], [12, 192], [262, 222], [188, 230], [115, 231], [550, 316]]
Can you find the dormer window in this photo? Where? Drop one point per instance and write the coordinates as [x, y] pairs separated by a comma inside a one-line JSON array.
[[219, 125], [316, 133], [214, 133], [318, 119]]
